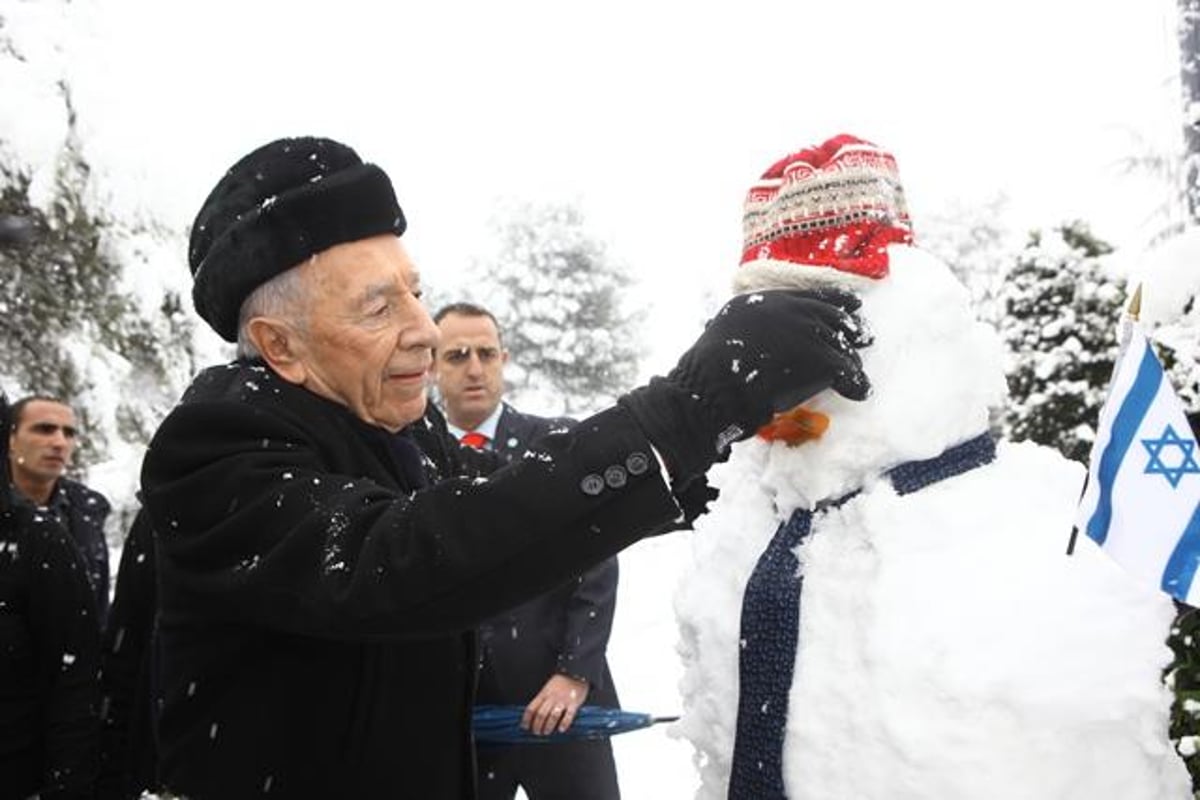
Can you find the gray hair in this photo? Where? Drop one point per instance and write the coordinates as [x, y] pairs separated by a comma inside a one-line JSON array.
[[282, 297]]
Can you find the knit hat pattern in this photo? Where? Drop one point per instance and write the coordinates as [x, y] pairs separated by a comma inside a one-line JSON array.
[[275, 208], [823, 215]]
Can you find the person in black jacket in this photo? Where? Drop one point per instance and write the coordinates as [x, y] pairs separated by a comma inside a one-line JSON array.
[[127, 750], [42, 444], [319, 574], [547, 654], [49, 654]]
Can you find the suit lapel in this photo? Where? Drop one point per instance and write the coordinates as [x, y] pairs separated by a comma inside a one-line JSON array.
[[514, 430], [508, 431]]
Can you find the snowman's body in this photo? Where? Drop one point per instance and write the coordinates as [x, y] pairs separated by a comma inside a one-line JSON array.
[[948, 648]]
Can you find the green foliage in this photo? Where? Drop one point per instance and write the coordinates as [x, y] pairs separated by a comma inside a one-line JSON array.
[[1059, 324], [63, 303], [1183, 676]]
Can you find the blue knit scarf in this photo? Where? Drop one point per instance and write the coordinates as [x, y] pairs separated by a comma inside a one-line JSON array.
[[771, 624]]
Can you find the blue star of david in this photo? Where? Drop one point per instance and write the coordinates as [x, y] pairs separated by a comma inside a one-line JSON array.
[[1187, 462]]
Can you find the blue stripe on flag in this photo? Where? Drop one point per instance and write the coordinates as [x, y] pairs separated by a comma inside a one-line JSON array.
[[1125, 425], [1181, 567]]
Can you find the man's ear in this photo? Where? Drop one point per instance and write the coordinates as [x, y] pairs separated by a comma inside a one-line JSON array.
[[279, 346]]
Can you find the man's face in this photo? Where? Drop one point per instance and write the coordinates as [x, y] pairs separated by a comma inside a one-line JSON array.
[[368, 341], [42, 443], [469, 368]]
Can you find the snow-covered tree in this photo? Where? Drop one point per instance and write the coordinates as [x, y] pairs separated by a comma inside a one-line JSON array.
[[88, 308], [62, 297], [1171, 304], [1061, 309], [564, 307], [72, 327], [1189, 73]]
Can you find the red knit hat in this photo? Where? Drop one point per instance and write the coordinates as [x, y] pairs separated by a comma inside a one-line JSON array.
[[838, 206]]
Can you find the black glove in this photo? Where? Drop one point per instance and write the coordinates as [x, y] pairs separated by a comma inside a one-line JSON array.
[[763, 352]]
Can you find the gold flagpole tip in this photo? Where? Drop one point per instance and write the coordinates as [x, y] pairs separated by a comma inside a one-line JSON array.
[[1135, 303]]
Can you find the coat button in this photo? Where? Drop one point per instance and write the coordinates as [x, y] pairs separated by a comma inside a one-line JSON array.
[[614, 476], [637, 463], [592, 484]]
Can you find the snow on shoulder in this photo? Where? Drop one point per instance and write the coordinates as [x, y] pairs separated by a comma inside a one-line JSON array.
[[887, 611]]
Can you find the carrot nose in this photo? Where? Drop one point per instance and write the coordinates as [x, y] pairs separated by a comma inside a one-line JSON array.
[[794, 427]]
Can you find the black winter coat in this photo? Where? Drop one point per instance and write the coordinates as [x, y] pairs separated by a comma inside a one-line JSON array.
[[317, 603], [564, 630], [49, 655], [84, 511], [127, 751]]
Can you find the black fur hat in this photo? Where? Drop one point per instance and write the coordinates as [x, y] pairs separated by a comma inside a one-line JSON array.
[[281, 204]]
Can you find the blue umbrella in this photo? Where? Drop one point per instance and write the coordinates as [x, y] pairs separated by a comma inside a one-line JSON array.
[[502, 725]]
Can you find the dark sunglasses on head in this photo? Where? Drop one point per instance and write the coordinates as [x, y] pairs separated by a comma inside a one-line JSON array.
[[460, 355], [49, 429]]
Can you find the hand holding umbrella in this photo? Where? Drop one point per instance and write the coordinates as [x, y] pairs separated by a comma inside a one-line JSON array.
[[555, 706], [502, 725]]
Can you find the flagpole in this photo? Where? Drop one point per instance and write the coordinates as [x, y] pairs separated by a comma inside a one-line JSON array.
[[1132, 312], [1075, 529], [1131, 315]]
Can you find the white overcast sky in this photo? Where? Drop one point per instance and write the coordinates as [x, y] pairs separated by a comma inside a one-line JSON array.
[[655, 116]]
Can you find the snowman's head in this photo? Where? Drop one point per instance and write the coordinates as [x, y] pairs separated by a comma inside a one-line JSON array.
[[835, 215]]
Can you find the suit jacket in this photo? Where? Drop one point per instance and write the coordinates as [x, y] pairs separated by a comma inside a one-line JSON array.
[[317, 602], [565, 630]]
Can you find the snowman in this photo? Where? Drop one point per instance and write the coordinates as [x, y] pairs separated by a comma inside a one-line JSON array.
[[880, 604]]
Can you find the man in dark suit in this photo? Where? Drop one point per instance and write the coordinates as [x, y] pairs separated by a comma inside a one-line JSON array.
[[324, 551], [547, 654], [41, 447]]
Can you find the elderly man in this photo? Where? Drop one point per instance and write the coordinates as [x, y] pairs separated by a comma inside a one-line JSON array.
[[547, 654], [42, 444], [319, 576]]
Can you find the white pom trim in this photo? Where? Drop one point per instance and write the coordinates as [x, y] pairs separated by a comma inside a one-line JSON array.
[[767, 273]]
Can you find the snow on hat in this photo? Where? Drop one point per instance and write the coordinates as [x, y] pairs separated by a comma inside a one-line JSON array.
[[825, 214], [276, 207]]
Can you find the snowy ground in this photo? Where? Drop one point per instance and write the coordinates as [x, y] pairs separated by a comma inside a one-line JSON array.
[[641, 653]]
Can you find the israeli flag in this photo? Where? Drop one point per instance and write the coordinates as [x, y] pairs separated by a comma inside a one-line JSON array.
[[1142, 502]]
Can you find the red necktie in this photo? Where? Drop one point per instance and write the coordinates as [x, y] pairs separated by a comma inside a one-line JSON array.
[[474, 439]]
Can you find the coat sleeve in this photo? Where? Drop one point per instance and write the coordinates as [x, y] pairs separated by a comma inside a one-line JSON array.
[[62, 621], [104, 572], [254, 528], [589, 621]]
